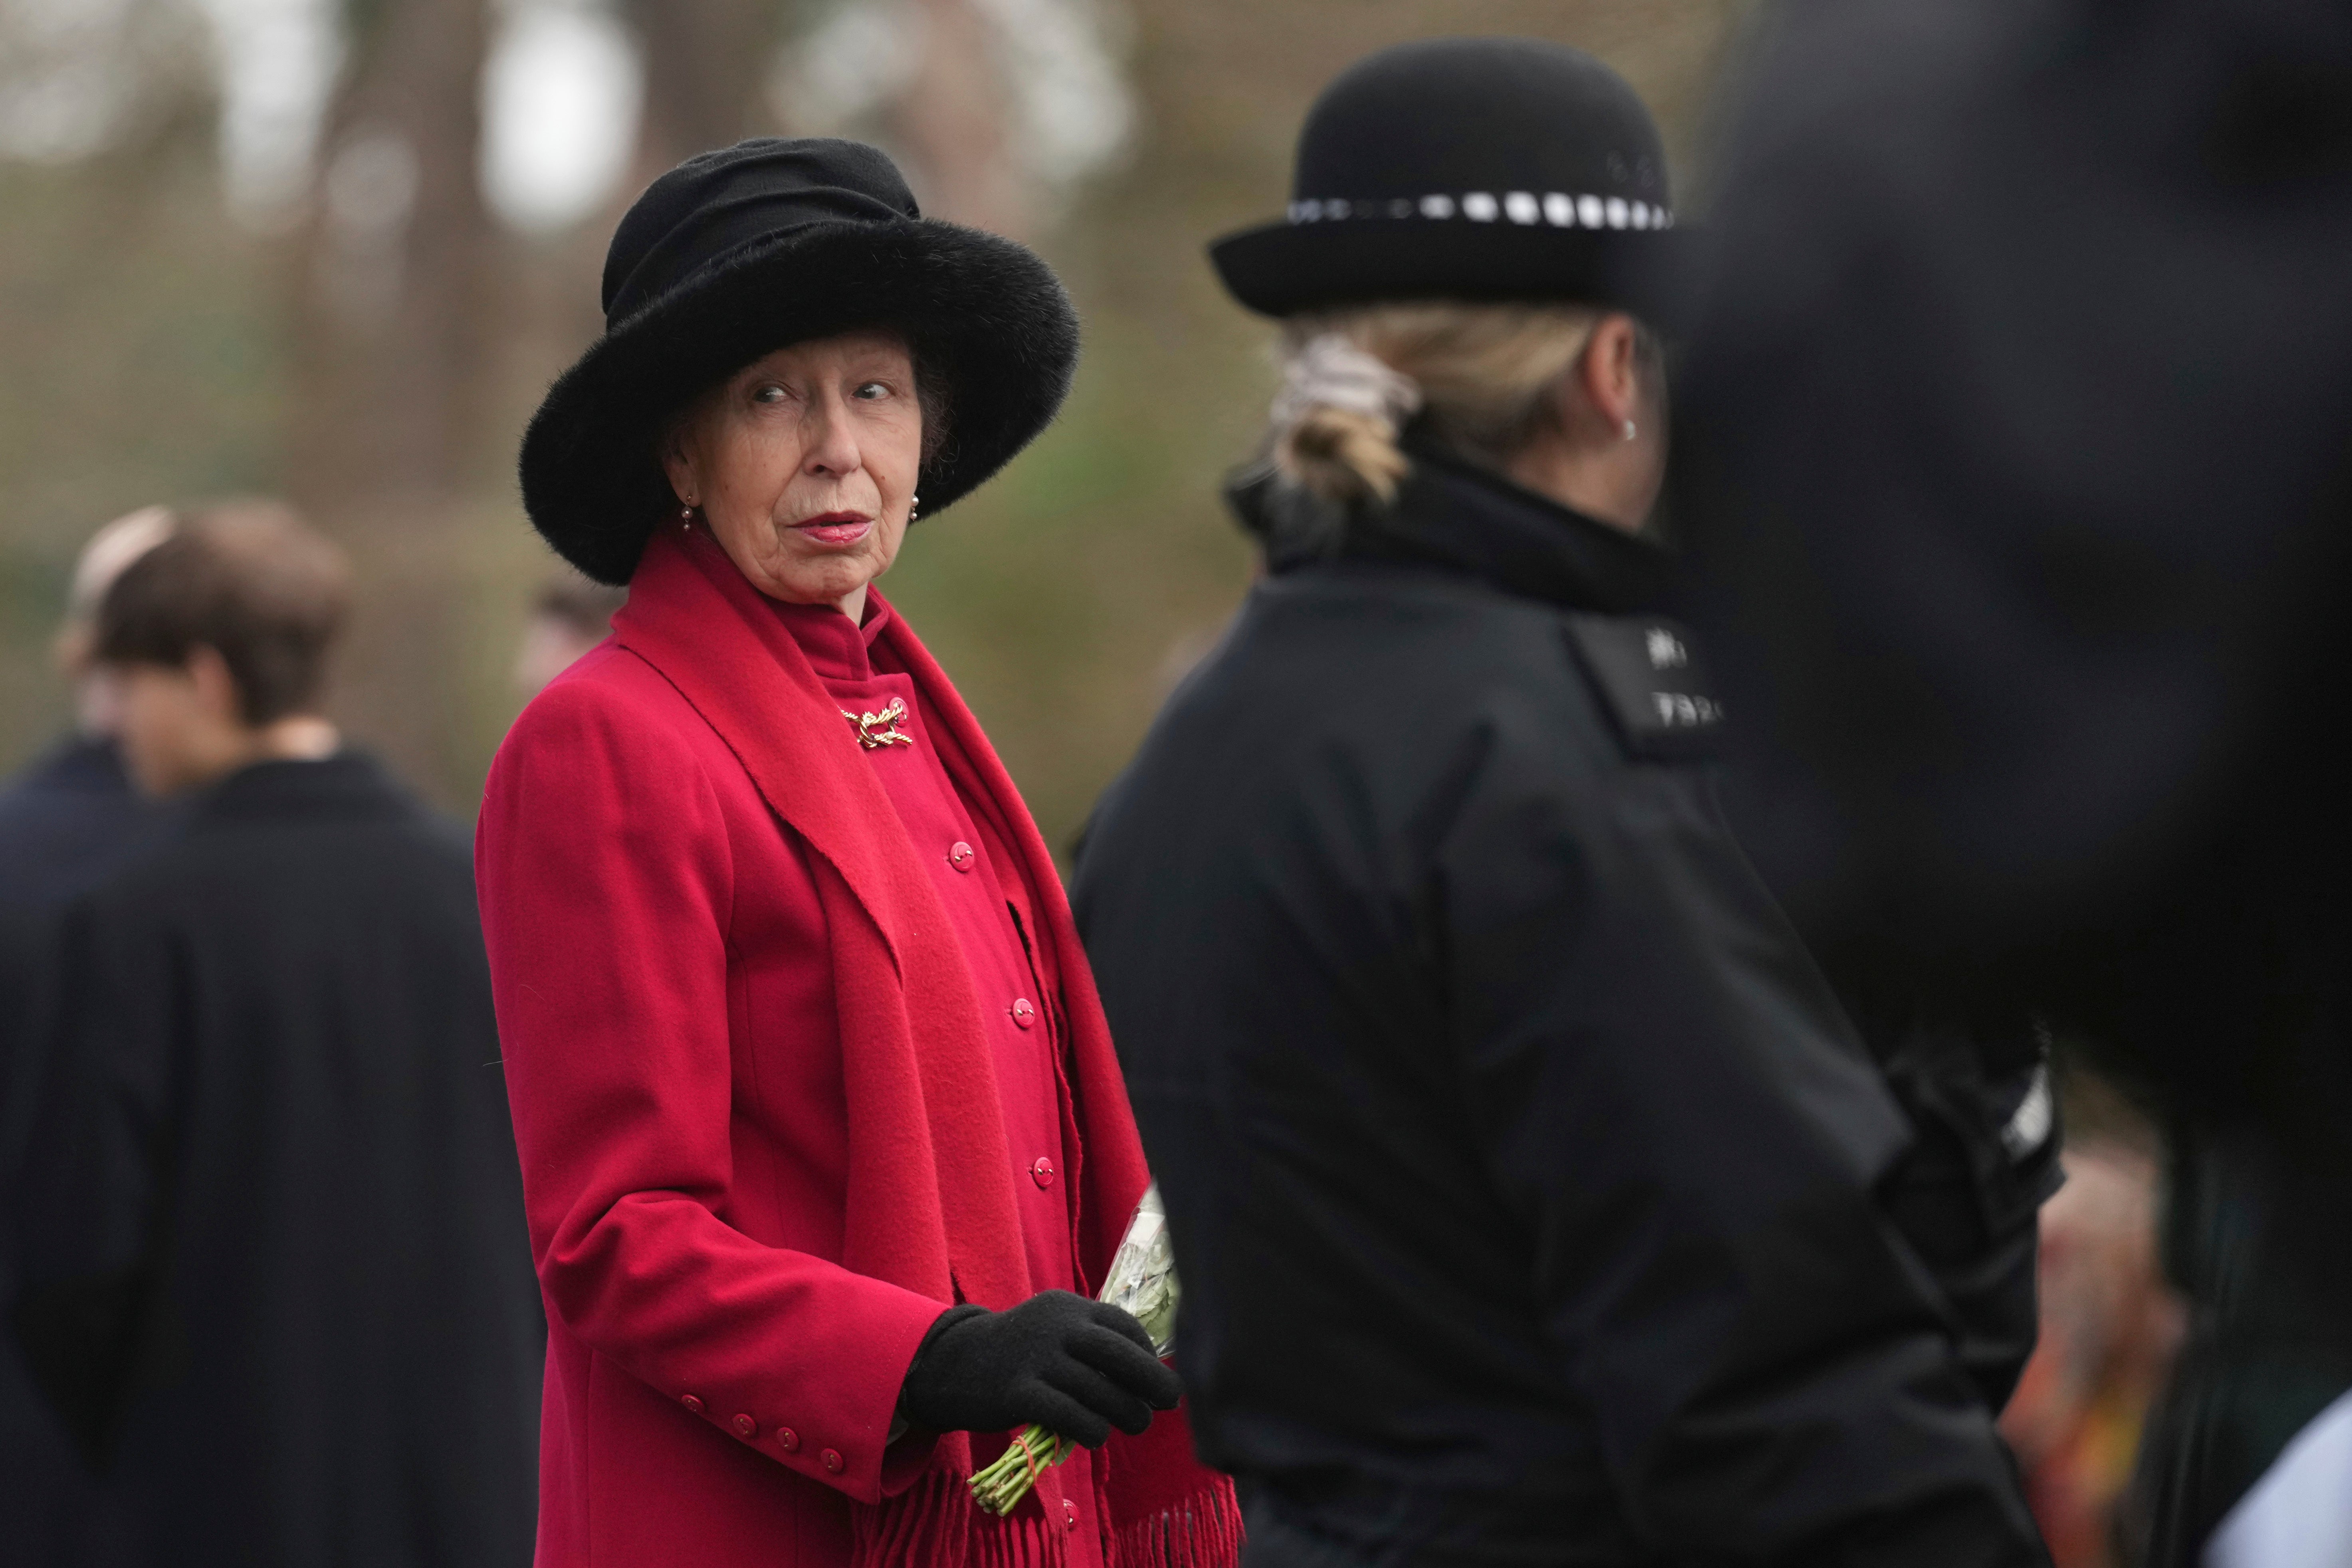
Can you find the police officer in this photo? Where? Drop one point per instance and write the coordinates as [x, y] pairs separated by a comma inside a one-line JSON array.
[[1521, 1165]]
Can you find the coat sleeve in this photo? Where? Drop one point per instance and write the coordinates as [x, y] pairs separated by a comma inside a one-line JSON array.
[[607, 880], [1692, 1146], [1967, 1196]]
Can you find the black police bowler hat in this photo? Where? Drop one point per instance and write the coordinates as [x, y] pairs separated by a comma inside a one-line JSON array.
[[1473, 169], [737, 253]]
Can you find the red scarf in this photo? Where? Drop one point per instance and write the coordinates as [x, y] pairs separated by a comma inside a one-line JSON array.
[[930, 1203]]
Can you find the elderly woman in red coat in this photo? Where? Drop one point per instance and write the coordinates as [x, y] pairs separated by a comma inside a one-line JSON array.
[[823, 1143]]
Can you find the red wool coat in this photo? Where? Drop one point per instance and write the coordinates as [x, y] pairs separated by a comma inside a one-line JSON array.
[[759, 1131]]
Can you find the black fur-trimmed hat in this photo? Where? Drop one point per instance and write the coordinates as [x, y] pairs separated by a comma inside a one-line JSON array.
[[1473, 169], [739, 252]]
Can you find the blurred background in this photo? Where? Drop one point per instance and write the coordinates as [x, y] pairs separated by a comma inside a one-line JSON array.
[[335, 249]]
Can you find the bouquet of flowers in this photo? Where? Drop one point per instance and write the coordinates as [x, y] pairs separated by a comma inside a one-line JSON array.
[[1142, 1280]]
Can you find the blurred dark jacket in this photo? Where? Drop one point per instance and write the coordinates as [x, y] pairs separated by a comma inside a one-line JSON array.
[[2018, 448], [1967, 1193], [1519, 1162], [278, 1286], [62, 821], [65, 817]]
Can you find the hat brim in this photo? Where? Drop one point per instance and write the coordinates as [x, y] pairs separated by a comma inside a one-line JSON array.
[[1292, 268], [986, 316]]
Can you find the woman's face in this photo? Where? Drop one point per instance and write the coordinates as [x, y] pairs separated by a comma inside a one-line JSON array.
[[804, 466]]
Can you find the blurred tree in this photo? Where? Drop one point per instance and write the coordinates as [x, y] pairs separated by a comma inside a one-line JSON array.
[[136, 324], [706, 64], [394, 268], [995, 109], [949, 120], [395, 273], [78, 79]]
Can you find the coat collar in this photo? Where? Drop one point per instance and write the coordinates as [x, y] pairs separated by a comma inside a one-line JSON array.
[[1454, 516], [837, 648], [716, 639], [347, 784]]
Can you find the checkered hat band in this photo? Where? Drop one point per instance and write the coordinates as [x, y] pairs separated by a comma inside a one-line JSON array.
[[1556, 209]]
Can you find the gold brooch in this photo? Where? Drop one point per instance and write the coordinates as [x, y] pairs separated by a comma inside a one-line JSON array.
[[877, 730]]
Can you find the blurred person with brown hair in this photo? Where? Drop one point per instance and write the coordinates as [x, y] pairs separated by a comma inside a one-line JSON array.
[[277, 1286], [569, 615], [1522, 1170], [70, 812]]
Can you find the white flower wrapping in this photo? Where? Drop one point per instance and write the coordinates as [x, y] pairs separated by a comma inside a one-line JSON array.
[[1142, 1280]]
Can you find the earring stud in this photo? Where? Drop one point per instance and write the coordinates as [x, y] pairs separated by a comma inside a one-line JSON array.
[[1630, 431]]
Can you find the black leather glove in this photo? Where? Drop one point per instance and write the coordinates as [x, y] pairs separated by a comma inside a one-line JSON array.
[[1074, 1366]]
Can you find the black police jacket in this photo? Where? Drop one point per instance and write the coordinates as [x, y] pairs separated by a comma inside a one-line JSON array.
[[1519, 1160]]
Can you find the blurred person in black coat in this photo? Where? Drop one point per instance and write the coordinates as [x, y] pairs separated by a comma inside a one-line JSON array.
[[1523, 1172], [70, 813], [2019, 436], [73, 807], [73, 804], [277, 1281]]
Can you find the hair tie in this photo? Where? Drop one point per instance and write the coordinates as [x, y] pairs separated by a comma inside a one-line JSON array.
[[1329, 372]]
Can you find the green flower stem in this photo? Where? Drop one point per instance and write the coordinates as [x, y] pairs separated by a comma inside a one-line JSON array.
[[999, 1487]]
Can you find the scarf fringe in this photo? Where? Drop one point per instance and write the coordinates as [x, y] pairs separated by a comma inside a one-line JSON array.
[[1027, 1539], [935, 1524], [1205, 1530]]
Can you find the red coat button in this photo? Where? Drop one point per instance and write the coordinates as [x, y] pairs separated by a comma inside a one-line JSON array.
[[1024, 1013], [745, 1426], [832, 1461], [1069, 1514], [960, 855], [691, 1403], [1042, 1173], [788, 1439]]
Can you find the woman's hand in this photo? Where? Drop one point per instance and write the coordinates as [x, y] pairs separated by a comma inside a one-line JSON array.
[[1074, 1366]]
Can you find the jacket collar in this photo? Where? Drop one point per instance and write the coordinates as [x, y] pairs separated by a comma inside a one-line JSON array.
[[732, 654], [1456, 517], [347, 784], [837, 648]]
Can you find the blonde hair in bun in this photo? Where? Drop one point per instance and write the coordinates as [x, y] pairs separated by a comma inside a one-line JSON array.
[[1477, 375]]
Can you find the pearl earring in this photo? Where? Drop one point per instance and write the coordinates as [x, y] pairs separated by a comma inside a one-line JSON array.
[[913, 503], [1630, 431]]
